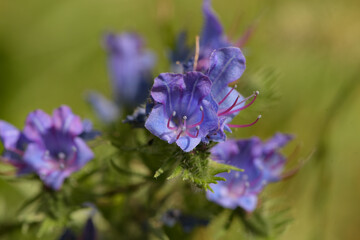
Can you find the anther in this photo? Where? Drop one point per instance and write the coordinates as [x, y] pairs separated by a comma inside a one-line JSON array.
[[184, 117], [174, 113], [61, 155], [74, 148], [197, 127], [201, 108], [247, 184]]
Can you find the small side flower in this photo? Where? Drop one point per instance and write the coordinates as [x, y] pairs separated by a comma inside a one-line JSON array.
[[262, 164], [56, 148]]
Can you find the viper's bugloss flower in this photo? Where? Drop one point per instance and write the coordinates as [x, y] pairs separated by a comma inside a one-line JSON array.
[[182, 114], [56, 148], [14, 143], [130, 67], [262, 164], [226, 66]]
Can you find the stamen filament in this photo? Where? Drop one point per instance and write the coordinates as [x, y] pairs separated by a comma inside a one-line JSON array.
[[239, 109], [229, 109], [227, 95], [246, 125], [191, 135], [201, 121], [168, 124]]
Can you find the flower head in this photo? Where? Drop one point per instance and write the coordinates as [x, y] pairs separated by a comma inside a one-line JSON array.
[[182, 114], [130, 67], [262, 164], [14, 143], [56, 148]]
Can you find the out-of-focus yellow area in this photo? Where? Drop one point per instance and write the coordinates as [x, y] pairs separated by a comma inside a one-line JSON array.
[[51, 53]]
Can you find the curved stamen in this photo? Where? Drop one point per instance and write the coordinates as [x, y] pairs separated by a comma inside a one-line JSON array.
[[201, 121], [227, 95], [252, 95], [191, 135], [178, 136], [242, 108], [230, 108], [246, 125], [168, 124]]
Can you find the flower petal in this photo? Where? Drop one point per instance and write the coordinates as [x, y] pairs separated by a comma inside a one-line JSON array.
[[226, 66], [248, 202], [157, 124], [67, 122], [212, 36], [9, 135], [37, 123]]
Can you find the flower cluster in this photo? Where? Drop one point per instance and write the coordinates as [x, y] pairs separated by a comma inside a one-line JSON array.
[[191, 107], [215, 66], [51, 146]]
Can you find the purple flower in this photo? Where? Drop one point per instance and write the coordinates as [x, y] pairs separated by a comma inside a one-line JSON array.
[[130, 67], [182, 114], [56, 148], [226, 65], [262, 164], [14, 143]]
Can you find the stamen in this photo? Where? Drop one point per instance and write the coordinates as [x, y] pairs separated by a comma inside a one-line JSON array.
[[197, 133], [246, 125], [229, 109], [179, 135], [184, 125], [202, 119], [242, 108], [197, 51], [168, 124], [227, 95]]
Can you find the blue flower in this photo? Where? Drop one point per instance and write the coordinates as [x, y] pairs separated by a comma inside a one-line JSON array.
[[14, 143], [226, 65], [262, 164], [130, 67], [182, 114], [55, 148]]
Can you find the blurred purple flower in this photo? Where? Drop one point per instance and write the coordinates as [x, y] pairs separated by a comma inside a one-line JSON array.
[[181, 113], [262, 164], [56, 148], [130, 67], [14, 143]]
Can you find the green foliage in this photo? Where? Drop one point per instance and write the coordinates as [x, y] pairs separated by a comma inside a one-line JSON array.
[[195, 167]]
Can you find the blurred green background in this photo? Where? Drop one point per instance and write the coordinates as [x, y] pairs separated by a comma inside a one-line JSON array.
[[51, 53]]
